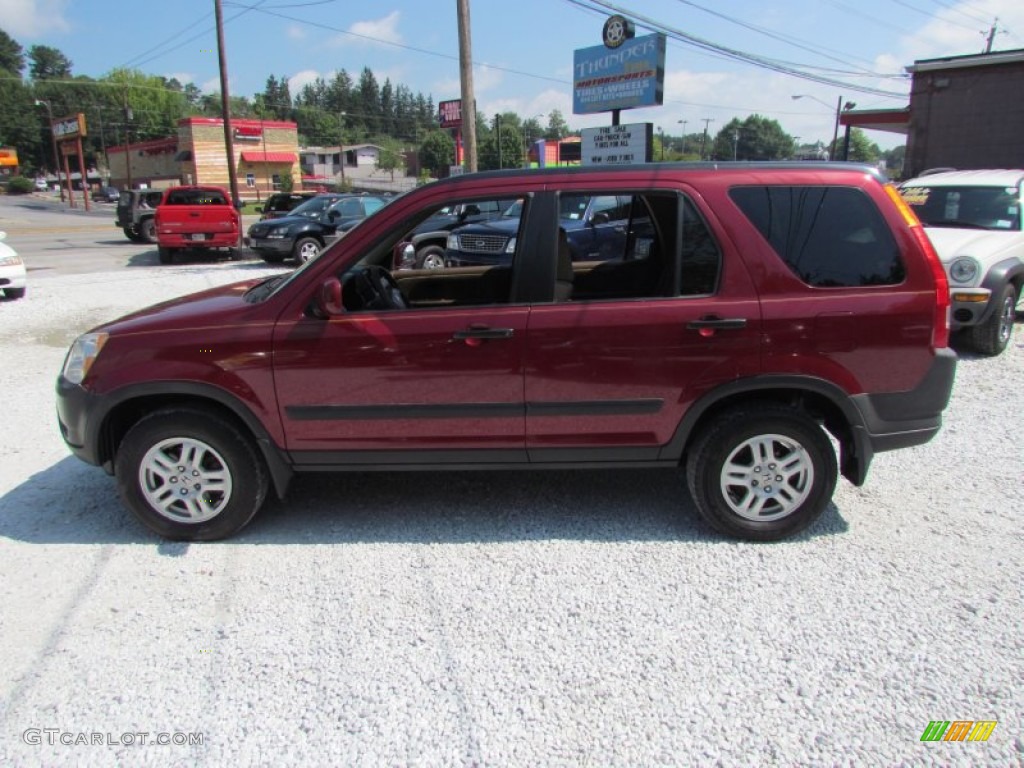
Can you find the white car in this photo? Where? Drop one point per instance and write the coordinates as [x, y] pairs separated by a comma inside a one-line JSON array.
[[12, 271], [975, 220]]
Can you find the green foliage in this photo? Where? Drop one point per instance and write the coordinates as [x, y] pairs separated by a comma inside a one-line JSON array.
[[557, 127], [287, 180], [511, 154], [12, 56], [22, 124], [48, 63], [756, 138], [437, 152], [275, 103], [19, 185], [390, 157], [862, 149]]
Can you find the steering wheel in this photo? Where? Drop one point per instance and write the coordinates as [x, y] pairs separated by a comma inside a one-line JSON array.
[[378, 289]]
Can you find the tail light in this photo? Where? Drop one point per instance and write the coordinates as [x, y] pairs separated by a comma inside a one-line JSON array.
[[940, 326]]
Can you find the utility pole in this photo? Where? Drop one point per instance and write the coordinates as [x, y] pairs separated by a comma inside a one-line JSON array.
[[704, 138], [497, 132], [682, 138], [992, 34], [466, 79], [225, 104]]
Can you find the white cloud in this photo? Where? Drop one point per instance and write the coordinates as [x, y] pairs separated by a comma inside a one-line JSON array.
[[183, 77], [295, 32], [212, 85], [22, 18], [485, 78], [379, 30], [300, 79]]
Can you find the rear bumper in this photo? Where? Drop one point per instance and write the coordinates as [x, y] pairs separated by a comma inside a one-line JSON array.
[[901, 419], [210, 240]]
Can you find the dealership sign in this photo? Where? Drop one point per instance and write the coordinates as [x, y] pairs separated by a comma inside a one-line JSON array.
[[617, 144], [69, 127], [631, 75], [450, 113]]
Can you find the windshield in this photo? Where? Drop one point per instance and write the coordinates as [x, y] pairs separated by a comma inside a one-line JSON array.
[[972, 207], [313, 207]]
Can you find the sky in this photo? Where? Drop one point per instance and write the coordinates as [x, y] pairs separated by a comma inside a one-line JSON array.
[[523, 49]]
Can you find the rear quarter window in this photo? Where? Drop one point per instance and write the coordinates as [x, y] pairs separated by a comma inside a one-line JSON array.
[[829, 237]]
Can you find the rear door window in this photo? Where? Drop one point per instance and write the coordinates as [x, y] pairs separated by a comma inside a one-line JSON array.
[[830, 237]]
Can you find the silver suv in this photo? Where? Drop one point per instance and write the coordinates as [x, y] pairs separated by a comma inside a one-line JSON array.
[[975, 221]]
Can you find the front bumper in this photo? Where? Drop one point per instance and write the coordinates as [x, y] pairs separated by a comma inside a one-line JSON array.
[[969, 306], [271, 245], [75, 406]]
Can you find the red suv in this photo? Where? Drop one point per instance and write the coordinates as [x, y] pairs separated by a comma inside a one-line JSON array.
[[750, 312]]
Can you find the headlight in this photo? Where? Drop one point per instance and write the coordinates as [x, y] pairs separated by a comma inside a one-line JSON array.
[[277, 234], [10, 261], [511, 247], [82, 355], [963, 270], [453, 243]]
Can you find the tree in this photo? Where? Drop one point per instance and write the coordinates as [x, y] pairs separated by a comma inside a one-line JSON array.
[[894, 159], [12, 56], [862, 149], [437, 152], [511, 154], [276, 99], [390, 157], [756, 138], [369, 103], [557, 128], [22, 123], [48, 63]]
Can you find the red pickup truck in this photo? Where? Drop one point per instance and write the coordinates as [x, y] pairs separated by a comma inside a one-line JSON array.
[[196, 218]]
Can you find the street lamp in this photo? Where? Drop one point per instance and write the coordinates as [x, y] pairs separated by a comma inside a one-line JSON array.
[[53, 140]]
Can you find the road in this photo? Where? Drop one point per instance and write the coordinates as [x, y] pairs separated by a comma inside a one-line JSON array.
[[56, 240], [493, 619]]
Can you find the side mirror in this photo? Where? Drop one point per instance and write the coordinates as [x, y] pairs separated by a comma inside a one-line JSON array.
[[328, 298], [333, 215], [600, 218], [469, 210], [404, 255]]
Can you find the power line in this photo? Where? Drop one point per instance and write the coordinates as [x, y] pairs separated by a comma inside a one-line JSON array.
[[737, 55]]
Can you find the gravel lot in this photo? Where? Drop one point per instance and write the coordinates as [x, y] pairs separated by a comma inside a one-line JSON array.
[[512, 619]]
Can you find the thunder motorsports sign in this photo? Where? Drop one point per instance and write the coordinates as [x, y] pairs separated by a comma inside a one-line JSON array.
[[629, 76]]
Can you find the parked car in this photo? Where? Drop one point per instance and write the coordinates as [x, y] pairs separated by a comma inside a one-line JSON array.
[[757, 313], [41, 185], [595, 226], [136, 211], [428, 239], [106, 195], [975, 219], [196, 217], [310, 226], [12, 271], [279, 204]]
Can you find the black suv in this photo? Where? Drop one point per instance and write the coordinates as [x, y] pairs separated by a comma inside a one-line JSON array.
[[135, 211], [310, 226], [280, 204], [428, 239]]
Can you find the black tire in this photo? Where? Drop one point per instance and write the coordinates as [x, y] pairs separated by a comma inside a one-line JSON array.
[[147, 230], [132, 234], [145, 477], [784, 505], [992, 336], [14, 293], [431, 257], [166, 255], [305, 249]]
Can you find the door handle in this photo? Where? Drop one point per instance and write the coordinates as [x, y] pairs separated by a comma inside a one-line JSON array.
[[713, 323], [476, 332]]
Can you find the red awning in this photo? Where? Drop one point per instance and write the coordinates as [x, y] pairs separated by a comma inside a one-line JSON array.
[[268, 157]]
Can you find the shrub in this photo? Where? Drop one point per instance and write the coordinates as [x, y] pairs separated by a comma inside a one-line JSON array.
[[19, 185]]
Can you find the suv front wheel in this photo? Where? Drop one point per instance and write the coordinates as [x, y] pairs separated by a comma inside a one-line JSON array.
[[762, 473], [190, 475], [992, 336]]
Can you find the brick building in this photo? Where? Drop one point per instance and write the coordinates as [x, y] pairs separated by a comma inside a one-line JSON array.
[[265, 151]]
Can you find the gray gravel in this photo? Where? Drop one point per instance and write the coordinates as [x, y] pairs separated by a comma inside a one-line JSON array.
[[549, 619]]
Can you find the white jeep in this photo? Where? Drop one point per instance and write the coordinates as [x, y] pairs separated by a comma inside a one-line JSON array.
[[975, 221]]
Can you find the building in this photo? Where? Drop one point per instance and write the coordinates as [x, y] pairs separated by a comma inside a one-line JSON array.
[[265, 151], [965, 112]]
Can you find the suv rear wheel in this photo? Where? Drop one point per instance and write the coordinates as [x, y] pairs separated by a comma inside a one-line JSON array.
[[147, 231], [762, 473], [992, 336], [189, 474]]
